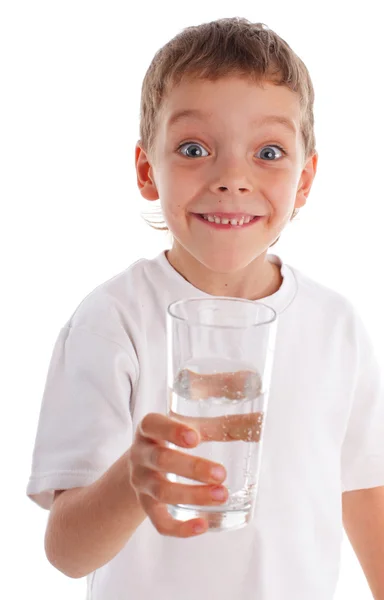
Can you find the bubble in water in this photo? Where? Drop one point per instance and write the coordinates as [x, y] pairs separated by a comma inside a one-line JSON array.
[[225, 404]]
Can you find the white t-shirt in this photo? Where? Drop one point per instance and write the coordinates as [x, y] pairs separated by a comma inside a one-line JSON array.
[[323, 435]]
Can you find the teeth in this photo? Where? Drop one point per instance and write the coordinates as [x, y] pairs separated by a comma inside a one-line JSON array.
[[226, 221]]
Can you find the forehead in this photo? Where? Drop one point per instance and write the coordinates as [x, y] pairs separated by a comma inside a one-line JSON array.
[[228, 98]]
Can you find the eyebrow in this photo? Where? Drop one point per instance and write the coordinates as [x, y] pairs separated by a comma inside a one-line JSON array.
[[199, 114]]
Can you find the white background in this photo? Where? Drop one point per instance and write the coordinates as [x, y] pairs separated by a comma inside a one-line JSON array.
[[70, 209]]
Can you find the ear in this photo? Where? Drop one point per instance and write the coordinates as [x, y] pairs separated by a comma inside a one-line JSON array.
[[306, 180], [145, 179]]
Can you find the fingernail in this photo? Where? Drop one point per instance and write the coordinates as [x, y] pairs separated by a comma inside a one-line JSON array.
[[190, 437], [198, 528], [218, 493], [218, 473]]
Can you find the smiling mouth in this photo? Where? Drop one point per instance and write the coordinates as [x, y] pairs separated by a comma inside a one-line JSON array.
[[228, 222]]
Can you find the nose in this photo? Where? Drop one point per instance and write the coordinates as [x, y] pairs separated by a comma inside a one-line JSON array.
[[232, 177]]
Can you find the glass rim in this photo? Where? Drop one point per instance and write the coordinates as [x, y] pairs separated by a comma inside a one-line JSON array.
[[228, 298]]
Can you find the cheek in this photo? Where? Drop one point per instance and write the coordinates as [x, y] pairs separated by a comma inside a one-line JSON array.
[[175, 190], [172, 201], [168, 183], [283, 191], [282, 200]]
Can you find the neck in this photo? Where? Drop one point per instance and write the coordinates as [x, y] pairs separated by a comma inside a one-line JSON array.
[[260, 279]]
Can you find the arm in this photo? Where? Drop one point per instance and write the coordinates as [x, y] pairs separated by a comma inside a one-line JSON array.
[[363, 519], [88, 526]]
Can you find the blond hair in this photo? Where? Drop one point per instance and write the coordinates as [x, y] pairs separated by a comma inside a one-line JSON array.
[[233, 46]]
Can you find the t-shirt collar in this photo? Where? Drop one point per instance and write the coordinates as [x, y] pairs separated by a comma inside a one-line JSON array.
[[279, 301]]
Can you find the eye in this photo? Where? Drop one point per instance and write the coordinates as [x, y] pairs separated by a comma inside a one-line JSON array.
[[192, 150], [269, 153]]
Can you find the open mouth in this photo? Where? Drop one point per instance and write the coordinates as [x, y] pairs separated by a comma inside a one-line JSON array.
[[228, 223]]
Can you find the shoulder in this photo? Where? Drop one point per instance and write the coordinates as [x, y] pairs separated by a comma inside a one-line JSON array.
[[324, 311], [113, 307], [315, 294], [327, 316]]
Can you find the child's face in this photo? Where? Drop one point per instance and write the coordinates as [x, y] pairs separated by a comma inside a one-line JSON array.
[[224, 160]]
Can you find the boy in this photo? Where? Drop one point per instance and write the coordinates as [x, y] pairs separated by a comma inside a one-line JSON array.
[[227, 144]]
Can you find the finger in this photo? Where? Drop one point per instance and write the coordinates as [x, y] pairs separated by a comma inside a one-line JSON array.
[[158, 487], [166, 525], [167, 460], [227, 428], [161, 428]]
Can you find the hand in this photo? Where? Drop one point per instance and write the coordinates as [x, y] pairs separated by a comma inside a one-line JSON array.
[[150, 460]]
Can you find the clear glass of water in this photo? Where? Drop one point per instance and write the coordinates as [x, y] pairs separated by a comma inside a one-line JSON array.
[[220, 357]]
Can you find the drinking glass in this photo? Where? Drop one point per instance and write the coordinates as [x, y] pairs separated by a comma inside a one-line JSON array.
[[220, 356]]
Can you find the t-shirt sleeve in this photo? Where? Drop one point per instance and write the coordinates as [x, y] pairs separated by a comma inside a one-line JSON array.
[[362, 459], [85, 421]]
